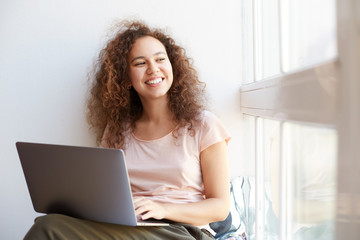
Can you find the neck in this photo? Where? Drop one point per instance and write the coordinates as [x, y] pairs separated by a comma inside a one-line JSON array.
[[156, 111]]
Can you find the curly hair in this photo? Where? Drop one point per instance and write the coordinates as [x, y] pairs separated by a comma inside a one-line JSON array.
[[113, 106]]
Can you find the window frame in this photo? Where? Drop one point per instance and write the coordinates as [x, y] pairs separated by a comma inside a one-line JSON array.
[[277, 97], [274, 98]]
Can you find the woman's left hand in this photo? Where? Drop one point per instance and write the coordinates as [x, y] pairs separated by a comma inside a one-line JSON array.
[[147, 208]]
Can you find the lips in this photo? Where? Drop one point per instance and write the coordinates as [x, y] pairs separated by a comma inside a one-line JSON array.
[[154, 81]]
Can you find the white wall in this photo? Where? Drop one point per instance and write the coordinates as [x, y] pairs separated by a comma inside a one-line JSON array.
[[46, 49]]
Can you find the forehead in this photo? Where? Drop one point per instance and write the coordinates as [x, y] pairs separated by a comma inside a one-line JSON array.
[[146, 46]]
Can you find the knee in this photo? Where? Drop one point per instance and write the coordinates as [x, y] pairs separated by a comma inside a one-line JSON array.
[[51, 221], [47, 227]]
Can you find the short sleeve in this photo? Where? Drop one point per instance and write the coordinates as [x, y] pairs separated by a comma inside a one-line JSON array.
[[212, 131]]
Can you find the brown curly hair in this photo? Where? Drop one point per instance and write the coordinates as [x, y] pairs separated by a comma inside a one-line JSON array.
[[113, 106]]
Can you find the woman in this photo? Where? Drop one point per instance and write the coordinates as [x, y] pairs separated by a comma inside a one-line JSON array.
[[147, 100]]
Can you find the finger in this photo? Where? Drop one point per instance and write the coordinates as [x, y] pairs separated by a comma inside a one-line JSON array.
[[142, 210], [144, 202], [146, 216]]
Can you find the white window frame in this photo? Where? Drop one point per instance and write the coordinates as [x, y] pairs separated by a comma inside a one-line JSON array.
[[314, 90], [332, 92]]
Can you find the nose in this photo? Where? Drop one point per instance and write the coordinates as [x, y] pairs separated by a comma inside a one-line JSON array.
[[152, 68]]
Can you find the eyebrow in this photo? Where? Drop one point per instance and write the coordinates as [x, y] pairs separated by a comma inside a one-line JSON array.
[[141, 57]]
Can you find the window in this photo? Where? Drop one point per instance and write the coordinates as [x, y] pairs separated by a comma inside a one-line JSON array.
[[288, 98], [309, 154]]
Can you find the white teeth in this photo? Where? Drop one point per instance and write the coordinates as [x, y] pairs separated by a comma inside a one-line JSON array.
[[155, 81]]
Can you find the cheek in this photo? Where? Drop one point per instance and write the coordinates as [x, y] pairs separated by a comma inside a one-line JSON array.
[[169, 70], [135, 76]]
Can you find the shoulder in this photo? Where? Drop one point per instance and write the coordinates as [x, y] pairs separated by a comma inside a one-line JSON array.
[[209, 121], [111, 136], [208, 118], [212, 130]]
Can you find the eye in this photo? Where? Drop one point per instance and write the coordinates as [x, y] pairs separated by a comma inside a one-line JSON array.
[[161, 59], [139, 63]]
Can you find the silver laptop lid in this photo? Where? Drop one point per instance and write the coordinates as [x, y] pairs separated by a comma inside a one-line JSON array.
[[84, 182]]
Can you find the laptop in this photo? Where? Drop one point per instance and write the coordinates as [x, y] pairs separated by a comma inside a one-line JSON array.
[[82, 182]]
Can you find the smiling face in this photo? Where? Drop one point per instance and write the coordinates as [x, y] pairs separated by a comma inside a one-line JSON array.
[[150, 70]]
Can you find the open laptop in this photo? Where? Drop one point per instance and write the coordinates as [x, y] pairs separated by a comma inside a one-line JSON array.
[[83, 182]]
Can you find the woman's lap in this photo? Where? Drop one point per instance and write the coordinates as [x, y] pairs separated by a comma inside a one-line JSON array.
[[57, 226]]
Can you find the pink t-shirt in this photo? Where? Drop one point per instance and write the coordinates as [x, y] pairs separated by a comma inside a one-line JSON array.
[[168, 169]]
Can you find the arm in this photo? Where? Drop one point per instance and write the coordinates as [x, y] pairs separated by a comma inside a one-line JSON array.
[[214, 166]]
